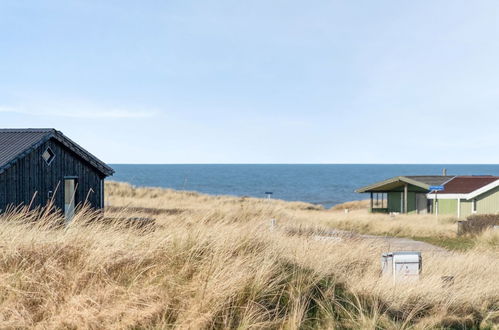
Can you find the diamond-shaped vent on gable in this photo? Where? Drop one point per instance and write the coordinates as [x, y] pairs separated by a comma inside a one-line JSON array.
[[48, 156]]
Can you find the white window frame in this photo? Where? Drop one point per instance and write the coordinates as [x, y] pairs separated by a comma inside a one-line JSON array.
[[474, 207]]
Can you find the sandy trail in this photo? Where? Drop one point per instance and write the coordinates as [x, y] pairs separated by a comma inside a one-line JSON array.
[[392, 243], [405, 244]]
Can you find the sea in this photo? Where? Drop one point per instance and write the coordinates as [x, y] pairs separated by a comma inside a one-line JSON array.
[[321, 184]]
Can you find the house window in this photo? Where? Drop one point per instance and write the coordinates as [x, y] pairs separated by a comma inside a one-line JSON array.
[[48, 156], [473, 205]]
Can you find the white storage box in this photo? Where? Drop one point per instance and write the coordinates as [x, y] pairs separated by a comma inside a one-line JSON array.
[[402, 265]]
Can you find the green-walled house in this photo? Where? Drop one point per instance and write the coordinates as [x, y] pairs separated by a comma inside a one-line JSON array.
[[460, 196]]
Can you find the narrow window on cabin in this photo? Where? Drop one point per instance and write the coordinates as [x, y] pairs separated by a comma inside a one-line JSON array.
[[473, 205], [70, 186], [48, 156]]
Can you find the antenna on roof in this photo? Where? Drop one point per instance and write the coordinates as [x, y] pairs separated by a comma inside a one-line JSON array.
[[444, 172]]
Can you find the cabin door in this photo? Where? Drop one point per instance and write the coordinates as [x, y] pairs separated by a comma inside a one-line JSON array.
[[421, 203], [69, 198]]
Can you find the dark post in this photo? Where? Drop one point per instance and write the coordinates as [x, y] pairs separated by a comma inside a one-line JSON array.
[[372, 201], [405, 197]]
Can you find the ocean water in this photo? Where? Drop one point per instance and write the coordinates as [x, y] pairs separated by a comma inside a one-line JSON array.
[[319, 184]]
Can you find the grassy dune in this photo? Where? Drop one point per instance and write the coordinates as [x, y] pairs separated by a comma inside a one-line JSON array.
[[215, 262]]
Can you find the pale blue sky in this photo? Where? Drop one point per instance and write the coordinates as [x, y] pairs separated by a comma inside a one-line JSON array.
[[260, 81]]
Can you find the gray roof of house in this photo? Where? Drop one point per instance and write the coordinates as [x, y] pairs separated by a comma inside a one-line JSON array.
[[421, 181], [431, 180], [17, 143]]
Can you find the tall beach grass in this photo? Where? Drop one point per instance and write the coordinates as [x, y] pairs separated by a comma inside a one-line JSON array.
[[216, 262]]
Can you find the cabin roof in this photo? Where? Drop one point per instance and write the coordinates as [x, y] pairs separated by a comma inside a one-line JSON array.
[[431, 180], [17, 143], [467, 184], [421, 181]]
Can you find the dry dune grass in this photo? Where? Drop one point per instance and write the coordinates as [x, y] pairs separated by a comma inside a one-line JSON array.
[[488, 240], [353, 205], [297, 213], [216, 263], [396, 225]]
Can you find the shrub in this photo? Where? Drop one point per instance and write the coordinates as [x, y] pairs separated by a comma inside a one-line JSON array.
[[476, 224]]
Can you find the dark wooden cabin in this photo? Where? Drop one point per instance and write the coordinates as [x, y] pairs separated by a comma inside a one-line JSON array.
[[38, 165]]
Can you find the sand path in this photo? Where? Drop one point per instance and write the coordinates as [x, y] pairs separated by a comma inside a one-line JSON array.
[[405, 244], [392, 243]]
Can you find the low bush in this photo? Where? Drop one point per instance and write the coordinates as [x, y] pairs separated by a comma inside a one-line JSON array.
[[476, 224]]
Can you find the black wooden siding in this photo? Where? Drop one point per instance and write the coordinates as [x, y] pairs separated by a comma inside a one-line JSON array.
[[31, 174]]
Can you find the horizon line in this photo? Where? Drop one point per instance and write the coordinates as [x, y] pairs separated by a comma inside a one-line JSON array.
[[493, 164]]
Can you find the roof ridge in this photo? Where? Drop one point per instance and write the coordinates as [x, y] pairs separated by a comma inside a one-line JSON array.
[[485, 176], [432, 176], [27, 130]]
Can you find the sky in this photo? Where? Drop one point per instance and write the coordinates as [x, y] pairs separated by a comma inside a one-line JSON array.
[[260, 81]]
